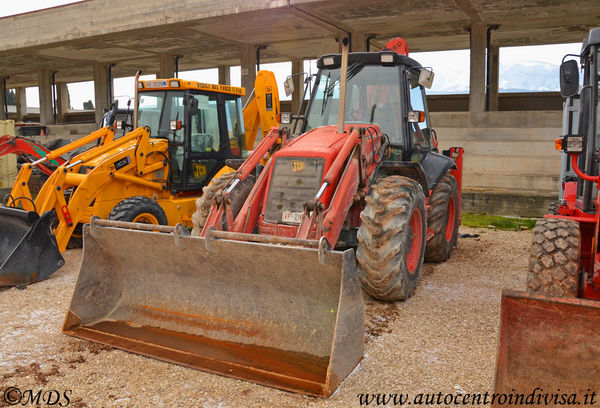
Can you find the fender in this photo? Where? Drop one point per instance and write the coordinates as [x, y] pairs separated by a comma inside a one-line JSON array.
[[410, 169], [435, 166]]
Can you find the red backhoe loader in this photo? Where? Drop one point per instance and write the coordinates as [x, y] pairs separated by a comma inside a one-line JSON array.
[[267, 288], [550, 335]]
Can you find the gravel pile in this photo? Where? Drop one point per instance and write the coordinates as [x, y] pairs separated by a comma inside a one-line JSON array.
[[441, 340]]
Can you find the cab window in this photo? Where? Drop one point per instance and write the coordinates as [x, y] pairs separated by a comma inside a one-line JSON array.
[[235, 128], [205, 135], [419, 131]]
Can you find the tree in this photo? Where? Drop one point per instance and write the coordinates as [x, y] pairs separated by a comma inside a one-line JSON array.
[[89, 105]]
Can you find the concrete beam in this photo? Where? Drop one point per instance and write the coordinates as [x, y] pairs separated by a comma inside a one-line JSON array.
[[297, 68], [45, 91], [224, 75], [167, 66], [248, 68], [467, 7], [62, 101], [358, 42], [101, 101], [21, 100], [477, 77], [494, 74]]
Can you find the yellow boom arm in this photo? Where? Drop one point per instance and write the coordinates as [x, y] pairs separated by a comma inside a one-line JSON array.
[[262, 109]]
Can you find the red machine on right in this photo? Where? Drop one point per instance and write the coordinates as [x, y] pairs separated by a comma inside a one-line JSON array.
[[550, 336]]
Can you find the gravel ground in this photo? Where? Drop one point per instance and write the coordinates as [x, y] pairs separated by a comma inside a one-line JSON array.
[[441, 340]]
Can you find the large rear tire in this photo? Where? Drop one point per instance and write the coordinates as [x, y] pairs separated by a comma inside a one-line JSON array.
[[443, 219], [554, 258], [210, 194], [391, 239], [139, 209]]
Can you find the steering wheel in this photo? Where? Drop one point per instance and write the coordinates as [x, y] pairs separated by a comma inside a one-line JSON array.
[[355, 114]]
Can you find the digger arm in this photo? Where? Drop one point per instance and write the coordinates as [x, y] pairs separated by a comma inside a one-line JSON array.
[[27, 148], [262, 109]]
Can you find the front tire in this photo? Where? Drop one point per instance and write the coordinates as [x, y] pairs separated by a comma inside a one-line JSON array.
[[391, 239], [139, 209], [443, 219], [554, 258]]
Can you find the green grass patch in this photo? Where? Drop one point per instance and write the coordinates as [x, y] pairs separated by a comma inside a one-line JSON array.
[[501, 223]]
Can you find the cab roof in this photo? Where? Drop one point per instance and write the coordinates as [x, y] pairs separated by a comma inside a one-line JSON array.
[[368, 58], [593, 38], [177, 83]]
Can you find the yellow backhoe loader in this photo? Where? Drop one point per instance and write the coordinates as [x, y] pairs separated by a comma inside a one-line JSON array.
[[187, 133]]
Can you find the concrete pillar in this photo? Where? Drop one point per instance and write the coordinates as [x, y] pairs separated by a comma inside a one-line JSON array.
[[45, 90], [477, 80], [297, 68], [100, 90], [2, 99], [248, 68], [167, 66], [21, 101], [224, 75], [62, 101], [494, 73], [358, 42]]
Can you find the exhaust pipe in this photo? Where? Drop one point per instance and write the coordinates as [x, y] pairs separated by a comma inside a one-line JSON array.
[[343, 80]]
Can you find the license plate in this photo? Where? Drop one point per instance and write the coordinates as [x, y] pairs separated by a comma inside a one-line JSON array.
[[291, 217]]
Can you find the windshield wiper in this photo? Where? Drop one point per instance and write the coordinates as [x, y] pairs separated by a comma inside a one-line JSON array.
[[325, 94], [330, 87]]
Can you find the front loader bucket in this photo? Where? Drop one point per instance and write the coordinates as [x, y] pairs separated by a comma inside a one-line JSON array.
[[28, 249], [547, 343], [265, 313]]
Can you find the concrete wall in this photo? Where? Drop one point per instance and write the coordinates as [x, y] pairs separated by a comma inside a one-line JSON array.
[[510, 166], [505, 151], [71, 131], [517, 101]]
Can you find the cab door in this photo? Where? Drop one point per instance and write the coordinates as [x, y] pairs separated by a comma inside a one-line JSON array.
[[201, 152]]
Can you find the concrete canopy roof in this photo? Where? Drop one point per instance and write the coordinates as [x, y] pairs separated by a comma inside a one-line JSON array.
[[208, 33]]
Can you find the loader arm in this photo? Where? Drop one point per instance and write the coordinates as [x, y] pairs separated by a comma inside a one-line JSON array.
[[20, 193], [222, 208], [90, 186]]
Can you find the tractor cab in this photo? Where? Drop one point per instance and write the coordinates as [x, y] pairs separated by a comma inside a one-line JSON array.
[[582, 139], [203, 124], [383, 90], [386, 92]]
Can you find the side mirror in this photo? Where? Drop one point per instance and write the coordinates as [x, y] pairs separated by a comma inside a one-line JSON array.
[[416, 116], [426, 77], [288, 86], [569, 78]]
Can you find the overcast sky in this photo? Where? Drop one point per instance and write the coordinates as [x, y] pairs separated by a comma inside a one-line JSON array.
[[450, 67]]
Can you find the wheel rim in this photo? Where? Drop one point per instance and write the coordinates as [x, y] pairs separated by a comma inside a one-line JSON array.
[[146, 218], [451, 219], [416, 226]]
